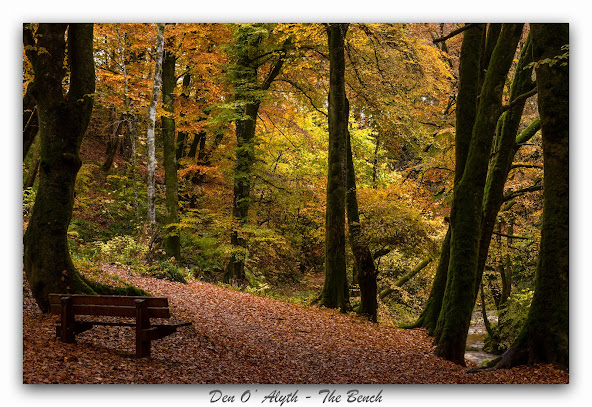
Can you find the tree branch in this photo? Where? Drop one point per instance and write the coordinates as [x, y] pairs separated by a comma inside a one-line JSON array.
[[522, 165], [453, 33], [406, 277], [380, 252], [528, 132], [522, 191], [304, 93], [275, 70], [513, 236], [519, 99]]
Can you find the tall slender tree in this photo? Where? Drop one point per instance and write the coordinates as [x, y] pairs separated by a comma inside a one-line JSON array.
[[335, 293], [172, 240], [151, 190], [545, 335]]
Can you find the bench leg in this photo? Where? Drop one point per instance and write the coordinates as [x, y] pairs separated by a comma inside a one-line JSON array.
[[142, 327], [67, 321]]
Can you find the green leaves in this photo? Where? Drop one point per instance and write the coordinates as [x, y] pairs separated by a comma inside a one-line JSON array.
[[562, 59]]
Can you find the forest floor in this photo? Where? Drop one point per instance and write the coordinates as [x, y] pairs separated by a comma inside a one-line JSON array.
[[240, 338]]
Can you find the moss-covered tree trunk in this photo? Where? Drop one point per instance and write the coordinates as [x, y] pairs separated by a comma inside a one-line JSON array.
[[172, 240], [466, 110], [431, 311], [245, 158], [545, 335], [503, 156], [63, 119], [248, 95], [335, 293], [365, 268], [457, 304]]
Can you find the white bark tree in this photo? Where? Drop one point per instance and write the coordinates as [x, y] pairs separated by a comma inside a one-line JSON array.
[[151, 124]]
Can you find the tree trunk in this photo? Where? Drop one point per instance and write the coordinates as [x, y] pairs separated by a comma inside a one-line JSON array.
[[197, 141], [62, 123], [429, 316], [488, 327], [375, 160], [30, 122], [33, 174], [113, 142], [507, 265], [151, 123], [132, 126], [365, 268], [182, 136], [545, 335], [335, 293], [489, 43], [247, 96], [457, 305], [466, 109], [172, 241], [503, 157], [468, 93], [245, 158]]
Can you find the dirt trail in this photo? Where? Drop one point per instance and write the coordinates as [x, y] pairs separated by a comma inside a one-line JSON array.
[[241, 338]]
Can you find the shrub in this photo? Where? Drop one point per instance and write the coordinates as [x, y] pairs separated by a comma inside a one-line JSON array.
[[123, 249], [168, 270]]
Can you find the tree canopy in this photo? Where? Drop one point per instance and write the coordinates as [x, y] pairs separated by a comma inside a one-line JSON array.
[[411, 174]]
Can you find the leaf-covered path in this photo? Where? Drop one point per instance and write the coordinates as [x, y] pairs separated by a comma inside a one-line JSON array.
[[241, 338]]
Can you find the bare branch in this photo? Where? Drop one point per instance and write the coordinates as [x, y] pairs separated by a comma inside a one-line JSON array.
[[519, 99], [522, 191], [295, 85], [453, 33], [513, 236]]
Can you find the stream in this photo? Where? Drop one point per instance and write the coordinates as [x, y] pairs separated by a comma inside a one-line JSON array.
[[475, 338]]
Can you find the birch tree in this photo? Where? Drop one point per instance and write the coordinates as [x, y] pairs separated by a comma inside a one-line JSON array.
[[151, 124]]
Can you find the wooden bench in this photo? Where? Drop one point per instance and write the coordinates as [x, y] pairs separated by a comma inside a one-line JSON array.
[[140, 308]]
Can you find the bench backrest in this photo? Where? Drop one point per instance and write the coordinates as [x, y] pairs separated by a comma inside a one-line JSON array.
[[110, 305]]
